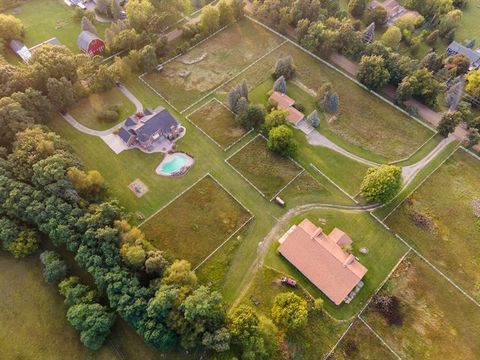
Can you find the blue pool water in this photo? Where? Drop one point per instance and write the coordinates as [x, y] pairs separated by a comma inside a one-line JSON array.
[[172, 166]]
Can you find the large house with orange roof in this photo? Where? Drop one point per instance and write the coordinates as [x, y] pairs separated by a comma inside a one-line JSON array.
[[322, 260], [285, 102]]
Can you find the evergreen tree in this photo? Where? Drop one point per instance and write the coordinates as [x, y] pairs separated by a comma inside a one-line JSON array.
[[280, 85], [87, 25], [356, 8], [313, 119]]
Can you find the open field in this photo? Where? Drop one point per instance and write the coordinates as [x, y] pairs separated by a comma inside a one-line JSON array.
[[364, 122], [197, 222], [310, 342], [216, 120], [438, 219], [384, 251], [267, 171], [438, 321], [51, 18], [33, 316], [86, 110], [468, 28], [361, 344], [228, 52]]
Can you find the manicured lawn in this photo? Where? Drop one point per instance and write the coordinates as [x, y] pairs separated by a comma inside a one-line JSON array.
[[364, 121], [267, 171], [228, 53], [197, 222], [33, 317], [307, 189], [219, 123], [86, 110], [438, 219], [310, 342], [384, 251], [51, 18], [361, 344], [438, 321], [469, 28]]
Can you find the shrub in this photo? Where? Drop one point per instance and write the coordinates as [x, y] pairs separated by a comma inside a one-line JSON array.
[[109, 114], [389, 307], [25, 244], [284, 67]]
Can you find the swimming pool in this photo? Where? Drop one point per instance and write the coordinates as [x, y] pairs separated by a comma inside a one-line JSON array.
[[174, 164]]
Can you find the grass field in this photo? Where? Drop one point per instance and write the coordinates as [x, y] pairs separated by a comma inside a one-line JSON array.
[[218, 122], [310, 342], [364, 122], [469, 28], [361, 344], [384, 251], [209, 215], [33, 317], [438, 321], [438, 219], [51, 18], [267, 171], [86, 110], [228, 52]]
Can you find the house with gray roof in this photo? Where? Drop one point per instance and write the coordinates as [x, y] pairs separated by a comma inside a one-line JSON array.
[[151, 127], [25, 53], [473, 55]]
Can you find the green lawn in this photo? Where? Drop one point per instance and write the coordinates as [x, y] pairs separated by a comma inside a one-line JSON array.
[[33, 317], [310, 342], [366, 125], [266, 170], [228, 52], [219, 123], [51, 18], [197, 222], [86, 110], [361, 344], [384, 251], [469, 28], [438, 321], [438, 219]]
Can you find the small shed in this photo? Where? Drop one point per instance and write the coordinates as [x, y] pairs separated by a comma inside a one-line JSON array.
[[90, 44], [20, 49]]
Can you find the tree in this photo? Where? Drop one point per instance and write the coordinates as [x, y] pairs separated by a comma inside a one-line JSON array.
[[11, 28], [372, 72], [422, 85], [142, 16], [210, 19], [116, 10], [54, 268], [274, 119], [93, 321], [460, 62], [35, 104], [24, 245], [432, 62], [148, 59], [53, 62], [86, 25], [13, 119], [289, 311], [60, 93], [134, 255], [281, 141], [392, 37], [253, 116], [356, 8], [155, 263], [284, 67], [103, 7], [473, 138], [378, 15], [8, 232], [180, 273], [225, 13], [449, 123], [432, 38], [280, 85], [382, 183], [75, 292], [473, 83], [238, 8], [313, 119]]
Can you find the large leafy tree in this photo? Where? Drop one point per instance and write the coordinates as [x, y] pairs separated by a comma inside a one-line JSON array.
[[54, 268], [60, 93], [356, 8], [473, 83], [281, 141], [289, 311], [13, 118], [11, 28], [372, 72], [253, 116], [381, 184], [449, 122]]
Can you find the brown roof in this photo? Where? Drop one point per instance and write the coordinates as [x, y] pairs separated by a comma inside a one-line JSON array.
[[320, 258], [281, 100], [294, 116]]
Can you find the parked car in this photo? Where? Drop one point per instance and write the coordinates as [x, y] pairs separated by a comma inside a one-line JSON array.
[[288, 281]]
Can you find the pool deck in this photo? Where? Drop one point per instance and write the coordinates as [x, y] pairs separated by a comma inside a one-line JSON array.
[[178, 172]]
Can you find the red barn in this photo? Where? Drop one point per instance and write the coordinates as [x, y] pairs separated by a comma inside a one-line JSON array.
[[90, 43]]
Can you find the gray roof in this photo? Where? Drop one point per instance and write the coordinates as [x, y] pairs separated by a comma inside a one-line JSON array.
[[53, 41], [124, 134], [461, 49], [160, 122], [16, 45], [20, 49], [130, 122], [84, 38]]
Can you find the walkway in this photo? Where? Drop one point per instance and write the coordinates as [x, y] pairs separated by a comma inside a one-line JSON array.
[[315, 138]]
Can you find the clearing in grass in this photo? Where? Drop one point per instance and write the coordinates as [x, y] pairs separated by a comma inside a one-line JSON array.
[[266, 170], [193, 75], [439, 220], [381, 252], [88, 110], [437, 321], [309, 342], [218, 122], [196, 223], [361, 344]]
